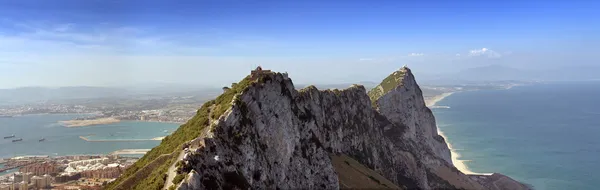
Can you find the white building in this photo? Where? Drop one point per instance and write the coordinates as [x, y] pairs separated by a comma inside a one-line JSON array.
[[47, 179], [27, 177], [39, 182], [23, 186], [88, 165], [17, 177], [88, 162]]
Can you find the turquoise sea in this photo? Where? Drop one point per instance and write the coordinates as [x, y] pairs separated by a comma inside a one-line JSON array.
[[61, 140], [545, 135]]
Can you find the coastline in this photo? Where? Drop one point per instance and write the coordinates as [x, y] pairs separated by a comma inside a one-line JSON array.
[[85, 138], [458, 163], [89, 122], [105, 121], [431, 102]]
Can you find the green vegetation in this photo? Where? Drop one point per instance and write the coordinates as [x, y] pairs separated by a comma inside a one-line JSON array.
[[156, 179], [179, 164], [223, 102], [337, 92], [173, 143], [178, 178], [389, 83]]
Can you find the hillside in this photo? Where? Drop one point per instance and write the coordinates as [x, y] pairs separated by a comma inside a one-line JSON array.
[[265, 134]]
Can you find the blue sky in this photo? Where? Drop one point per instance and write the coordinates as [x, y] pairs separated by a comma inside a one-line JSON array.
[[215, 42]]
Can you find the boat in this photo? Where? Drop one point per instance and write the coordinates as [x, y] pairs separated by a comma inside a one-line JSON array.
[[165, 131], [43, 139], [6, 116], [17, 140], [8, 137]]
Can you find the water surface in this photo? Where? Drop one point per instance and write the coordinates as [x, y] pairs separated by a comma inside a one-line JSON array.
[[545, 135], [61, 140]]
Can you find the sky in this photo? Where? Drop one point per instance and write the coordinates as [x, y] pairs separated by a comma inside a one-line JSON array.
[[216, 42]]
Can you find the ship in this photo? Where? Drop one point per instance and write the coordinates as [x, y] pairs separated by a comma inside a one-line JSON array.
[[6, 116], [8, 137], [17, 140], [43, 139]]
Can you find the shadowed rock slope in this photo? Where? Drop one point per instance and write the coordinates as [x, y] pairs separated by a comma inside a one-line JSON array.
[[273, 136]]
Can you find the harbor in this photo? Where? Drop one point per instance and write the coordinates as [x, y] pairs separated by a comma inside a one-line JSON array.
[[76, 158]]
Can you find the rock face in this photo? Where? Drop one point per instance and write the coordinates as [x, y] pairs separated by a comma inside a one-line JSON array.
[[274, 136]]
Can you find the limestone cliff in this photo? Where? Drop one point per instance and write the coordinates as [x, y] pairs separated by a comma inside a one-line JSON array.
[[273, 136]]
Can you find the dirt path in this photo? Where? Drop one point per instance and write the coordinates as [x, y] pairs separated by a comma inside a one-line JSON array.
[[172, 172]]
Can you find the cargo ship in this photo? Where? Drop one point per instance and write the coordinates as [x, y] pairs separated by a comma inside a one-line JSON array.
[[17, 140], [8, 137], [43, 139]]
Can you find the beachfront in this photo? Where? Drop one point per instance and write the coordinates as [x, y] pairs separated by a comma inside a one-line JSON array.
[[456, 161]]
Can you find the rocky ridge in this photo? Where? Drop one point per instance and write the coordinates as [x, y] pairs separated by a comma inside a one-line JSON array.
[[273, 136]]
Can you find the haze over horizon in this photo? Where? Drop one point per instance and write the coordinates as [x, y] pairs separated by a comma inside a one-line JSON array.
[[113, 43]]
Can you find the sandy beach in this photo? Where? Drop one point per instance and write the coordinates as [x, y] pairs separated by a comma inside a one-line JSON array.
[[458, 163], [432, 101], [82, 123]]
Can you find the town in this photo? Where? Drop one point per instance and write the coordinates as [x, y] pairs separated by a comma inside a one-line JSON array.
[[176, 109], [62, 172]]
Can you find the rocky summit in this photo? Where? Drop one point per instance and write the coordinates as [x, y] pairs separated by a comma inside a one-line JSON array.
[[262, 133]]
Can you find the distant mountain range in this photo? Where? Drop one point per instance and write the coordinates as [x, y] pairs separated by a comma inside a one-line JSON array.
[[37, 94], [491, 73], [27, 95]]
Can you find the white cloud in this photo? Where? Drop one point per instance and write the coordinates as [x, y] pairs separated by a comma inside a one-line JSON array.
[[74, 39], [366, 59], [415, 54], [477, 52], [458, 54], [484, 52]]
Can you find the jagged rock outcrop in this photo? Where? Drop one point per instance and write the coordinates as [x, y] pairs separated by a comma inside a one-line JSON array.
[[274, 136], [403, 104]]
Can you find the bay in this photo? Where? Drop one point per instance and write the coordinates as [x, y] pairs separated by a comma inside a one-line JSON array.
[[60, 140], [545, 135]]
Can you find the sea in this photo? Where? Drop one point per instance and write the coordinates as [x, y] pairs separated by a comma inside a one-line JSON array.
[[60, 140], [545, 135]]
